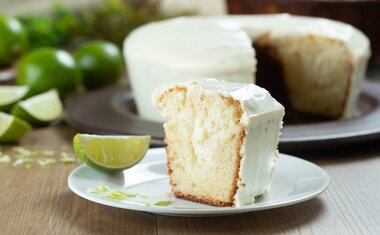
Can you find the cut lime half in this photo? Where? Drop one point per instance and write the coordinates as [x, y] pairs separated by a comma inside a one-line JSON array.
[[40, 109], [12, 129], [9, 95], [110, 154]]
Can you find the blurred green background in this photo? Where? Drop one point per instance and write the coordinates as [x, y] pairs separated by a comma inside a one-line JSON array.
[[69, 22]]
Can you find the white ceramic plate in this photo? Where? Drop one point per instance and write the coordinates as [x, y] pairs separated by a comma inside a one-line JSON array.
[[295, 180]]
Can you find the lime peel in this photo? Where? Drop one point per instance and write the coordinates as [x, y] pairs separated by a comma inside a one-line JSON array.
[[110, 154], [12, 129], [40, 109], [9, 95]]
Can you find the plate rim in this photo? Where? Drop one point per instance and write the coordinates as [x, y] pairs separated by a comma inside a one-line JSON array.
[[199, 211]]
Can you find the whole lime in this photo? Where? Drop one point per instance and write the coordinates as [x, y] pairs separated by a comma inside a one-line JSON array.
[[13, 40], [100, 62], [47, 68]]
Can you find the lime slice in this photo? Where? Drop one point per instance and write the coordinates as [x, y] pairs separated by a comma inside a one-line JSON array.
[[110, 154], [9, 95], [40, 109], [12, 129]]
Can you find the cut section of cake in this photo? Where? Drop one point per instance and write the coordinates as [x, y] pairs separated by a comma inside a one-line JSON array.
[[221, 140]]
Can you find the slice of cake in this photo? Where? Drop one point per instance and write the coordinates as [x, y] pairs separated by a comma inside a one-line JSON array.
[[221, 140]]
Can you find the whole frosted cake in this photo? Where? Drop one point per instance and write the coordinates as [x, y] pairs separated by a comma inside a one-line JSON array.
[[221, 140], [311, 65]]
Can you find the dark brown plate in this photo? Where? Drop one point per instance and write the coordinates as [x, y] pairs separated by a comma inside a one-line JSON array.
[[112, 111]]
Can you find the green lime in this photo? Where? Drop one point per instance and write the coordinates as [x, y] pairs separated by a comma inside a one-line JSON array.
[[48, 68], [101, 63], [9, 95], [13, 40], [12, 129], [39, 110], [110, 154]]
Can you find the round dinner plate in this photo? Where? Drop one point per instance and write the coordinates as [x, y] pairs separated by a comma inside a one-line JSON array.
[[295, 180], [112, 111]]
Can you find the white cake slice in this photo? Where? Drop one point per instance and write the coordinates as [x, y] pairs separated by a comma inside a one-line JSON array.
[[221, 140]]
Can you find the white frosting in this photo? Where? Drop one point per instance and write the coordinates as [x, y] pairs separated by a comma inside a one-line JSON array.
[[280, 25], [263, 119], [189, 47], [159, 53]]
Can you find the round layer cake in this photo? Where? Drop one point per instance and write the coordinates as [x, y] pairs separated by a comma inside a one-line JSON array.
[[311, 65]]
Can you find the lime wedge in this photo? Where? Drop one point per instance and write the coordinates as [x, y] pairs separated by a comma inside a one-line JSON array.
[[12, 129], [9, 95], [39, 110], [110, 154]]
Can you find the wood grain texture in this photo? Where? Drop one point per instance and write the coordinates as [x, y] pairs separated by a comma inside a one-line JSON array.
[[38, 201]]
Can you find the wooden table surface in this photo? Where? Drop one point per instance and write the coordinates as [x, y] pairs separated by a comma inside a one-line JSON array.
[[38, 201]]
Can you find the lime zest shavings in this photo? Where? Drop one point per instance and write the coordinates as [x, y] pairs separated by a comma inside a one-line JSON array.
[[28, 166], [116, 195], [145, 203], [44, 158], [130, 194], [101, 188], [23, 152], [163, 203], [44, 153], [45, 162], [120, 195], [22, 161], [67, 158], [5, 159]]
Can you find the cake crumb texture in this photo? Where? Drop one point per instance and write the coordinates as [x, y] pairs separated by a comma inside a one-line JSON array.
[[204, 135]]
